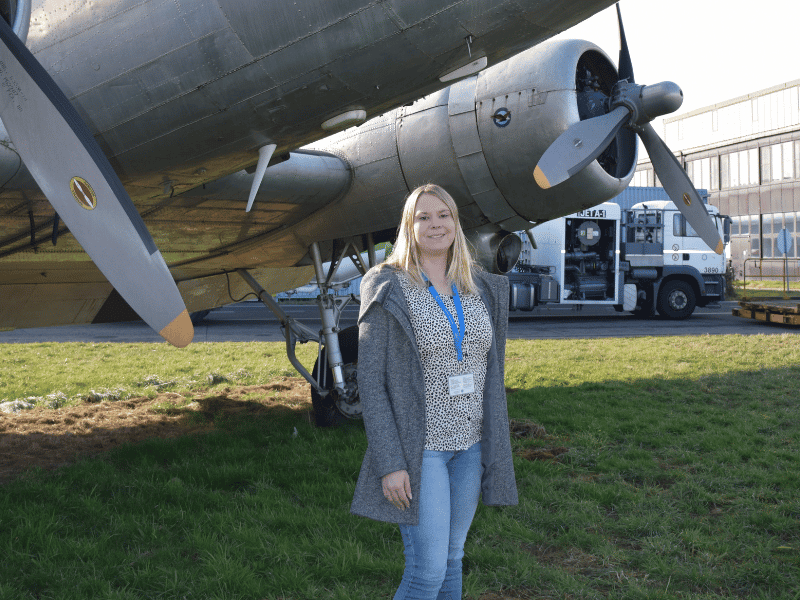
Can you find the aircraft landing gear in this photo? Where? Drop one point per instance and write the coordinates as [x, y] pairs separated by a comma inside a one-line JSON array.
[[334, 390], [333, 408]]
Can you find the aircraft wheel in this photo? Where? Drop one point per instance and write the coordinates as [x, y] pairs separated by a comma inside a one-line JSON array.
[[676, 300], [326, 413]]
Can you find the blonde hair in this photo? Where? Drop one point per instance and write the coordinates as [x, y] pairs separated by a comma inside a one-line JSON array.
[[405, 254]]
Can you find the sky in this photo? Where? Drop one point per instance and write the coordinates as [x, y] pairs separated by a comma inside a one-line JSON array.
[[715, 50]]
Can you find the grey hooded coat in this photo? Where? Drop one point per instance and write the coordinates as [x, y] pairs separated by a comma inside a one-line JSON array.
[[392, 390]]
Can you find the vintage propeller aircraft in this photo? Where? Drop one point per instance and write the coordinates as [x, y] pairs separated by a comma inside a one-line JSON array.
[[164, 157]]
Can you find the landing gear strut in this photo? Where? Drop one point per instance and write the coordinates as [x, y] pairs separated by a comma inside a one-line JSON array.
[[334, 391]]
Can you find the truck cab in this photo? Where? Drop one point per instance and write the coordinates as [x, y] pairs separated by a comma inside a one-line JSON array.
[[673, 268]]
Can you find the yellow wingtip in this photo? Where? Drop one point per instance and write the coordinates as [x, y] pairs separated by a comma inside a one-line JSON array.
[[720, 248], [541, 180], [180, 331]]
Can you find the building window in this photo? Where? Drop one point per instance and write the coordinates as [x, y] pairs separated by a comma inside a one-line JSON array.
[[734, 169], [724, 171], [766, 168], [738, 169], [778, 162], [766, 223], [642, 178], [797, 159], [775, 162], [790, 227], [787, 149], [704, 173], [715, 173], [753, 225], [752, 162]]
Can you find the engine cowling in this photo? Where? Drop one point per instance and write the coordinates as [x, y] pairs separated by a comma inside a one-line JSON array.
[[484, 135], [481, 139]]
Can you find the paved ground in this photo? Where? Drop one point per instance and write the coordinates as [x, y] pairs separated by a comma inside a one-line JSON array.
[[251, 321]]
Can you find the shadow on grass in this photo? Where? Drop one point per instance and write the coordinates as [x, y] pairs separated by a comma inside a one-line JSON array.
[[51, 438]]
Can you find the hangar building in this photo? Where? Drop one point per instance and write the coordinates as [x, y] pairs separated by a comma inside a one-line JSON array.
[[746, 153]]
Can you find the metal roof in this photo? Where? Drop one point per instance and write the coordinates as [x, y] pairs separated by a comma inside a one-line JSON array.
[[737, 100], [633, 195]]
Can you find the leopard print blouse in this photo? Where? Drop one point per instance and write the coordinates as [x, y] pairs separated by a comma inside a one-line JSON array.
[[451, 423]]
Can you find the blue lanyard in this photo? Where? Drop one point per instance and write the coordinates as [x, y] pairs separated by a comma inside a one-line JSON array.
[[458, 332]]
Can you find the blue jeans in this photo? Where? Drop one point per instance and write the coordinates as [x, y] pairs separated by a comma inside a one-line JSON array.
[[449, 493]]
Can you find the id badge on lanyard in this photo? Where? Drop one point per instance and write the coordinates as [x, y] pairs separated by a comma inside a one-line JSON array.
[[463, 383]]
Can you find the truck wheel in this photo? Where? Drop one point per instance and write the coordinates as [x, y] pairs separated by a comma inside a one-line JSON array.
[[326, 414], [676, 300]]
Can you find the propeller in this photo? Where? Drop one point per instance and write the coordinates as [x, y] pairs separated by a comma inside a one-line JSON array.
[[78, 180], [633, 106]]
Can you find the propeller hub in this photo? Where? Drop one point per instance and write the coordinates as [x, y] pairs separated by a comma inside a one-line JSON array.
[[627, 94], [646, 102], [661, 99]]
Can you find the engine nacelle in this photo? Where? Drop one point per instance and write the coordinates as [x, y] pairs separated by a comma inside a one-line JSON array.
[[483, 136], [481, 139]]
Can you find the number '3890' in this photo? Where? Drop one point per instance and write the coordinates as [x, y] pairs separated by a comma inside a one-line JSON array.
[[710, 270]]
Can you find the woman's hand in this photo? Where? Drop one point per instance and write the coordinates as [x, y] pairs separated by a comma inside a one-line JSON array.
[[397, 489]]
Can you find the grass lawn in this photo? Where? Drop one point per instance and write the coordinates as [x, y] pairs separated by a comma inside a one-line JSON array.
[[758, 288], [669, 468]]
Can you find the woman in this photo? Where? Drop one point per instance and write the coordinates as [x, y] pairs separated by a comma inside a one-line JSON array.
[[432, 331]]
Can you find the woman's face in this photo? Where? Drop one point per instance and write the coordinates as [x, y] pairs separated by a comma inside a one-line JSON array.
[[434, 227]]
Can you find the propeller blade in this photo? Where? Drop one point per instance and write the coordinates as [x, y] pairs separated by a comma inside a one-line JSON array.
[[75, 175], [625, 64], [680, 189], [579, 145]]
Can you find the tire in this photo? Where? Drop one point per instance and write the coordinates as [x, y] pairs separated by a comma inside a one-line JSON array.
[[326, 414], [676, 300]]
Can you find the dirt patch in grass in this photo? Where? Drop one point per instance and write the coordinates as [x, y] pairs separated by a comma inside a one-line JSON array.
[[51, 438], [525, 428], [543, 453], [510, 594], [600, 570]]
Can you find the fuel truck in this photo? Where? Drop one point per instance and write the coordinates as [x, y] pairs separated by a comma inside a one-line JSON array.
[[645, 260]]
